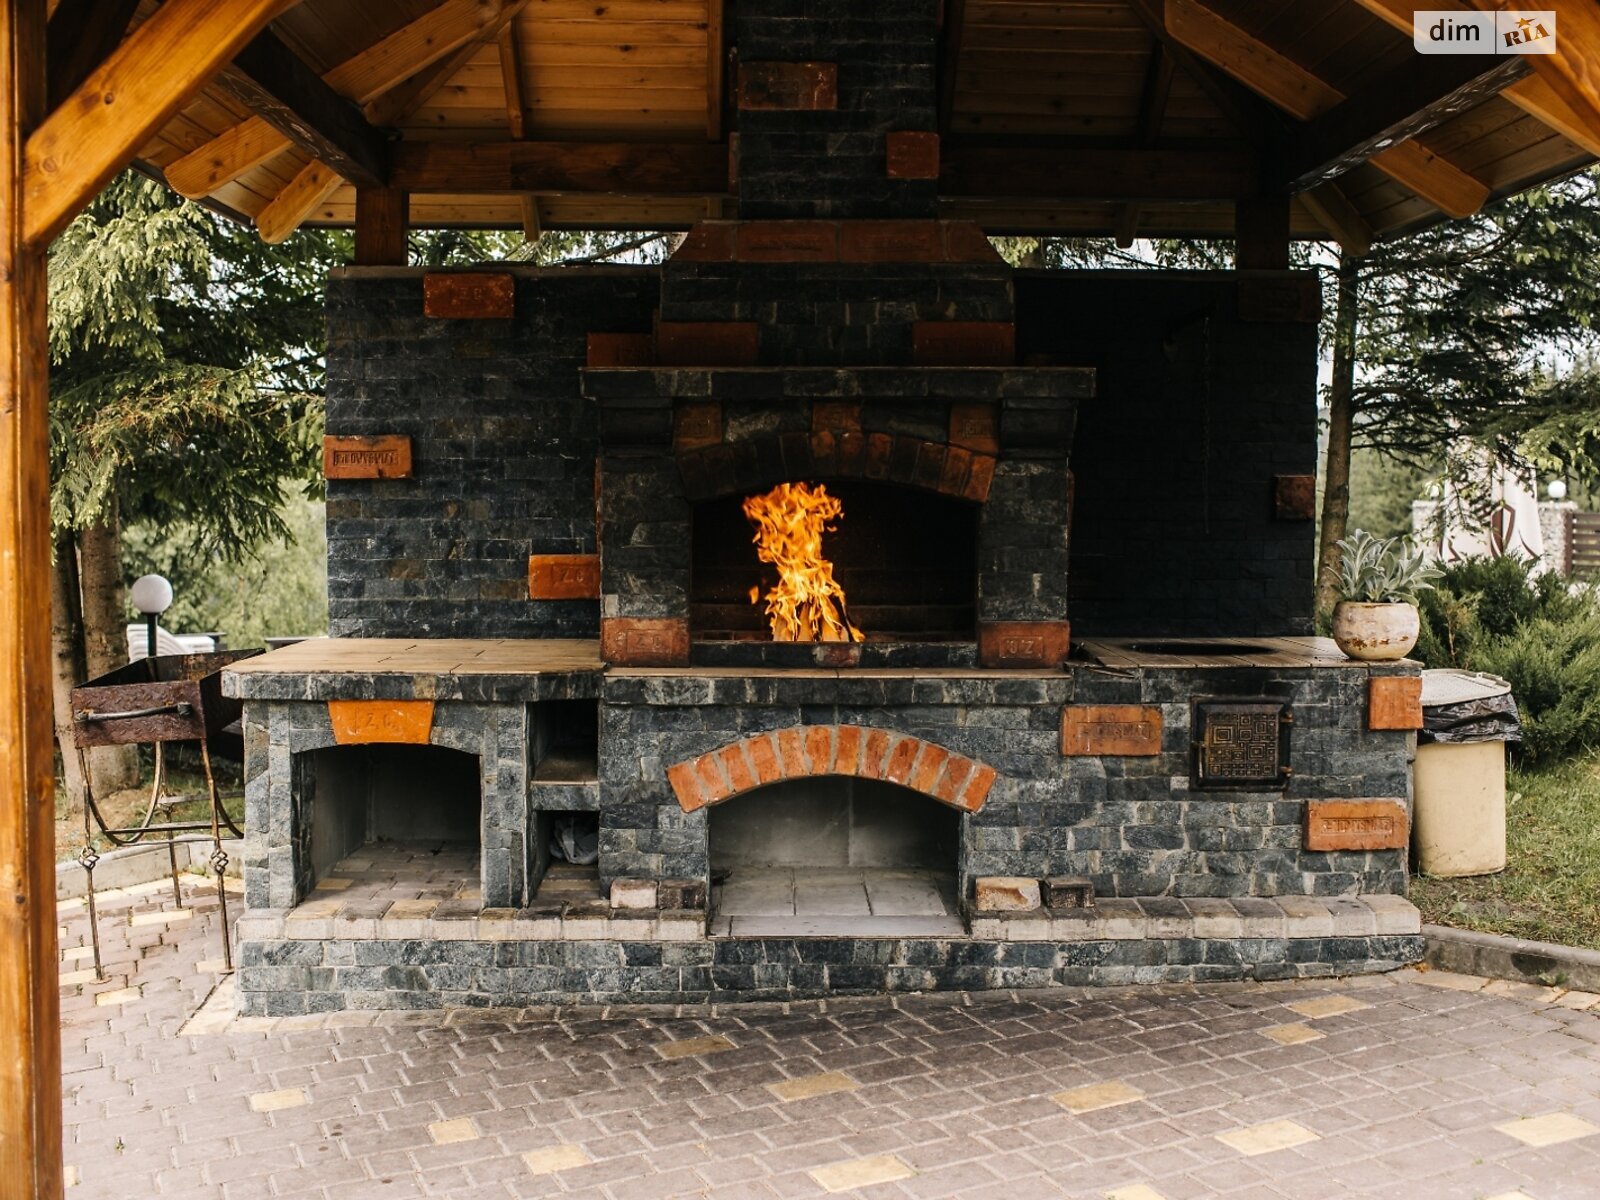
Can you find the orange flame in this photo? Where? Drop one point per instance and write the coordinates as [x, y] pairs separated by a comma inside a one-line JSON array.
[[807, 605]]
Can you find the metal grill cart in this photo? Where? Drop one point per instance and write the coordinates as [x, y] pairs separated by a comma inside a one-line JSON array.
[[172, 698]]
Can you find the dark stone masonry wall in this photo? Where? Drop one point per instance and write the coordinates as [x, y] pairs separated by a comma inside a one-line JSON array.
[[1133, 825], [1195, 410], [503, 442]]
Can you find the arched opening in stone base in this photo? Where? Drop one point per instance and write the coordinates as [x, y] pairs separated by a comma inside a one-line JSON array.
[[834, 855]]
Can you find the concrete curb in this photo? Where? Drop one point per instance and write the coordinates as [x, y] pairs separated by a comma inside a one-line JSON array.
[[1489, 954], [140, 864]]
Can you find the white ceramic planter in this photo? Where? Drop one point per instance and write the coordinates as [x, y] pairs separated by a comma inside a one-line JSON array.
[[1375, 632]]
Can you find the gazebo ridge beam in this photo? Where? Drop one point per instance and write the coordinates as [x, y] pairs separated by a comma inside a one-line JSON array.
[[1291, 87]]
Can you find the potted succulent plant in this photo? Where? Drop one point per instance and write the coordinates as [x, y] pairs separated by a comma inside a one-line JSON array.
[[1379, 578]]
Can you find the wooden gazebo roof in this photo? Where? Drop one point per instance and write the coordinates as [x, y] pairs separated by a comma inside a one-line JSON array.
[[1067, 117]]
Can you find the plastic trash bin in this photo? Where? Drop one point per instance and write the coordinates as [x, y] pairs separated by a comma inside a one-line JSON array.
[[1459, 817]]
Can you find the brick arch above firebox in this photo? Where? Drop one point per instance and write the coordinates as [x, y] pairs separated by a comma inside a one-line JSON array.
[[763, 461], [807, 751]]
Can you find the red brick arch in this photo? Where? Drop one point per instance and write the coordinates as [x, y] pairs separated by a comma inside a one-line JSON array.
[[804, 751]]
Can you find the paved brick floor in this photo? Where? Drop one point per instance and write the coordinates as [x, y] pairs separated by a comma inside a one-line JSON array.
[[1415, 1086]]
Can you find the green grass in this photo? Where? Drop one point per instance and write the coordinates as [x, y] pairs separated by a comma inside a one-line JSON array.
[[1550, 889]]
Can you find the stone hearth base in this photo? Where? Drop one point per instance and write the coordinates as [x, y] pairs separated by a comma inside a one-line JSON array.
[[326, 960]]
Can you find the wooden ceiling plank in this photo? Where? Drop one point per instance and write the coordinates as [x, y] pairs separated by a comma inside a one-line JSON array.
[[1435, 179], [1426, 94], [1334, 212], [716, 98], [276, 85], [286, 211], [639, 168], [1398, 14], [80, 36], [141, 86], [950, 38], [407, 97], [224, 158], [1252, 62]]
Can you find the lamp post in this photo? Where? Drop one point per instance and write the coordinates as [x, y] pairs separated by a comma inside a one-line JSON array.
[[152, 596]]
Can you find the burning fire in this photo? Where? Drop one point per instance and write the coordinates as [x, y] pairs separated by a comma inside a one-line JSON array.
[[807, 605]]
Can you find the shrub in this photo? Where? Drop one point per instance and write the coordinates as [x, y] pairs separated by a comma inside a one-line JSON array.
[[1539, 634]]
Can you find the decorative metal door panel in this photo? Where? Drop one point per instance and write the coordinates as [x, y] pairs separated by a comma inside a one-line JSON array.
[[1241, 745]]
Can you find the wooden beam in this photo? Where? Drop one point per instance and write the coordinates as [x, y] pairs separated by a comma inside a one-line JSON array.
[[382, 217], [224, 158], [299, 198], [1572, 73], [532, 224], [1261, 233], [30, 1019], [716, 54], [398, 64], [153, 73], [1438, 181], [1251, 116], [82, 34], [516, 119], [1328, 205], [1098, 173], [1425, 93], [950, 37], [1251, 61], [274, 83], [1152, 110], [1534, 94], [627, 168]]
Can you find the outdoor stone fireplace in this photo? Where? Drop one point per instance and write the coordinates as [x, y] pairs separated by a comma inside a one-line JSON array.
[[1068, 724]]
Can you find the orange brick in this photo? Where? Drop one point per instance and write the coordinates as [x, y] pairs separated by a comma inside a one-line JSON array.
[[898, 768], [788, 85], [1128, 730], [819, 748], [977, 789], [764, 758], [1023, 644], [963, 343], [740, 777], [686, 786], [874, 753], [696, 424], [1356, 825], [980, 478], [469, 294], [912, 154], [387, 456], [824, 453], [713, 782], [707, 343], [1394, 702], [621, 350], [956, 770], [644, 641], [847, 749], [363, 722], [975, 427], [925, 774], [836, 416], [792, 754], [957, 469], [1294, 497], [787, 241], [891, 241], [880, 449], [709, 241], [564, 577]]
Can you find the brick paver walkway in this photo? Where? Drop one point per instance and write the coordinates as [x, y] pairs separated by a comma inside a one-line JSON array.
[[1413, 1086]]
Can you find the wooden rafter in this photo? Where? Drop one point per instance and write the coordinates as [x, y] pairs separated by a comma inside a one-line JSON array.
[[1152, 110], [1293, 88], [516, 119], [153, 73], [274, 83], [1334, 212], [1252, 117], [286, 211], [81, 35], [1534, 94], [392, 62]]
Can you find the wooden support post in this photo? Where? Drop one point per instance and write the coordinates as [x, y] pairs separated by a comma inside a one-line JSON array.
[[1261, 233], [382, 217], [30, 1018]]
